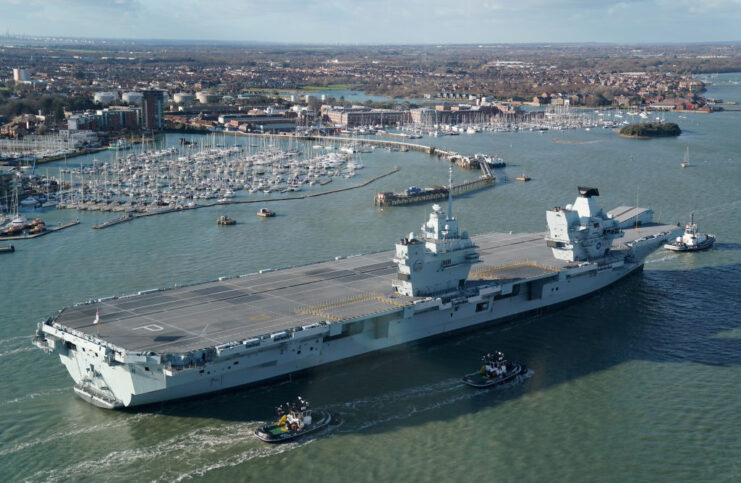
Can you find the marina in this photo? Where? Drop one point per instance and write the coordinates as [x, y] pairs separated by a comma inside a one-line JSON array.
[[132, 215], [163, 180]]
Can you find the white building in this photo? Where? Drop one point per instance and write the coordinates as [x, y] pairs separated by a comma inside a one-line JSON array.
[[21, 75], [205, 97], [134, 98], [105, 97], [183, 98]]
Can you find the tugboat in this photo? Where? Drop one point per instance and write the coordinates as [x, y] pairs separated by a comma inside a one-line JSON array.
[[225, 220], [691, 241], [265, 213], [294, 420], [495, 370]]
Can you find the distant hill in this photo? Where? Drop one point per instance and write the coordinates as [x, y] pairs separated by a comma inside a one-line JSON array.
[[651, 130]]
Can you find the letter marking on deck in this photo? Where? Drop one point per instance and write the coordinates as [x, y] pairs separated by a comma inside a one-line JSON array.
[[149, 327]]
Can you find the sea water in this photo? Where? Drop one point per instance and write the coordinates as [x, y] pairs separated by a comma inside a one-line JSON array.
[[639, 382]]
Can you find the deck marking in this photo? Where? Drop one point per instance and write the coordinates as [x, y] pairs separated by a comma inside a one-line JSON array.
[[149, 327], [260, 317]]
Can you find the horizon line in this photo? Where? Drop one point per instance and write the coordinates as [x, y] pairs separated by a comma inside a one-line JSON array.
[[356, 44]]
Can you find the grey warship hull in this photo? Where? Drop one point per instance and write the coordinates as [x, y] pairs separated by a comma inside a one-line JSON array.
[[168, 344]]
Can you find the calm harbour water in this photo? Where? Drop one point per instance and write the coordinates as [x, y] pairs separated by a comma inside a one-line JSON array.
[[640, 382]]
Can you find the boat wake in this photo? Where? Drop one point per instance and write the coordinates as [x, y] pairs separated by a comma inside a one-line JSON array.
[[67, 433], [12, 340], [263, 451], [34, 395], [197, 452], [194, 451], [404, 404], [388, 407], [237, 459], [17, 350], [665, 258]]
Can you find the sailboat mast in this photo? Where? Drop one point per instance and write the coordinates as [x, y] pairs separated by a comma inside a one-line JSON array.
[[450, 192]]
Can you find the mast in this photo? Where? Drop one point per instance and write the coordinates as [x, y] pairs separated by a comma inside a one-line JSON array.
[[450, 192]]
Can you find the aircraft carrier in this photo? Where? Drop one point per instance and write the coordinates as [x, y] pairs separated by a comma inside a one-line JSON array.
[[161, 345]]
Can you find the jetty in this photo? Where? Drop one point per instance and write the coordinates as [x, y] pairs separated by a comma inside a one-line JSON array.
[[59, 227], [127, 217], [433, 193], [430, 150]]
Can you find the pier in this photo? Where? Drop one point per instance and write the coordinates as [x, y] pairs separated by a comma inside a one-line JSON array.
[[127, 217], [430, 150], [59, 227], [438, 192]]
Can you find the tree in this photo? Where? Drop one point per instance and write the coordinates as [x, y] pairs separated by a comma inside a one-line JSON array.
[[59, 112], [47, 104]]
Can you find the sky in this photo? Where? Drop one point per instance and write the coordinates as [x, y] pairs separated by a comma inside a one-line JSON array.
[[380, 21]]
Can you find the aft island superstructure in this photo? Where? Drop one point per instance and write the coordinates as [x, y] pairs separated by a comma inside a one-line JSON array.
[[169, 344]]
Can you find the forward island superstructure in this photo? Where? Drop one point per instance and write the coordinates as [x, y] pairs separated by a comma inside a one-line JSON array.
[[168, 344]]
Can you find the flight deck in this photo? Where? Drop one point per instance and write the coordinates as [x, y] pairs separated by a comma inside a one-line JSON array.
[[184, 319]]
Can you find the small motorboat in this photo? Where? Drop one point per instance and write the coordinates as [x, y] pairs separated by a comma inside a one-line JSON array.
[[495, 370], [524, 177], [294, 420], [691, 240], [225, 220], [265, 213]]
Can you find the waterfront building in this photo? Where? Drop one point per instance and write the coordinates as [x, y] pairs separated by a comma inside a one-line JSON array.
[[84, 120], [117, 118], [457, 114], [272, 128], [8, 183], [363, 116], [153, 110], [109, 119], [78, 139]]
